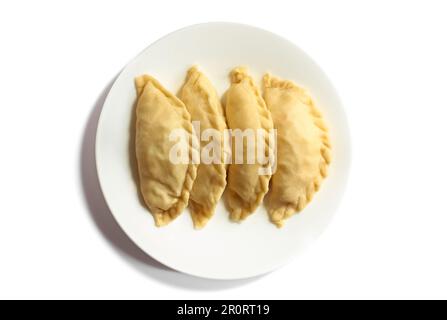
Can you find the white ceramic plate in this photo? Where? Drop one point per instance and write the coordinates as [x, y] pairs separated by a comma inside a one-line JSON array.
[[222, 250]]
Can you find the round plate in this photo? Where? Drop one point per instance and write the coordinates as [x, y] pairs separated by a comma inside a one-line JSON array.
[[223, 249]]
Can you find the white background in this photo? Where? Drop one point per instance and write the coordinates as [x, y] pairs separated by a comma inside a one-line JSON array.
[[388, 60]]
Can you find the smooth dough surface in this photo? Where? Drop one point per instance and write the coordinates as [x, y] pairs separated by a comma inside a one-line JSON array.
[[245, 109], [165, 186], [303, 148], [204, 105]]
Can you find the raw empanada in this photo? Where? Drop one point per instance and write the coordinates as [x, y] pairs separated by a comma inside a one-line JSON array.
[[165, 186], [245, 109], [303, 148], [204, 105]]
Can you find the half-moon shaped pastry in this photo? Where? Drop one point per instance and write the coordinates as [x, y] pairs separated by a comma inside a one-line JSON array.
[[206, 111], [165, 185], [303, 148], [245, 109]]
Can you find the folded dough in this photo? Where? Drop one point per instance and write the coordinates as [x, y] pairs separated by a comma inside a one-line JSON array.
[[165, 186], [303, 148], [204, 105], [245, 109]]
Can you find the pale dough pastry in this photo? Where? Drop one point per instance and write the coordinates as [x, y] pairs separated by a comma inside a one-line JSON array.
[[303, 148], [165, 186], [245, 109], [204, 105]]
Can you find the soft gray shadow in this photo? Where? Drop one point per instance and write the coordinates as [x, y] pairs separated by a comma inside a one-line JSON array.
[[108, 227]]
